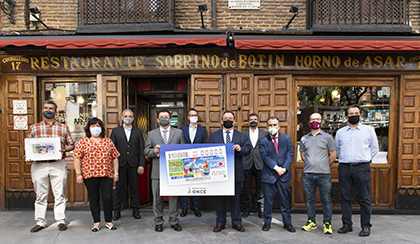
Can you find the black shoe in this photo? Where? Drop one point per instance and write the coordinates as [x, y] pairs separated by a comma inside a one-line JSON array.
[[245, 213], [289, 228], [365, 232], [266, 227], [176, 227], [37, 228], [62, 226], [184, 212], [158, 228], [260, 214], [345, 229], [136, 214], [197, 212], [117, 214]]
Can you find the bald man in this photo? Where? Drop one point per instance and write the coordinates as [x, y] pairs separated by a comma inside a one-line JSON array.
[[318, 151]]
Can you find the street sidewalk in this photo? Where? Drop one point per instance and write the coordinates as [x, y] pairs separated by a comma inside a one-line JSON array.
[[15, 226]]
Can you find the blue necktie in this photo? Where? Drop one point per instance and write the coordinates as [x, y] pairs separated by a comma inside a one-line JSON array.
[[227, 137]]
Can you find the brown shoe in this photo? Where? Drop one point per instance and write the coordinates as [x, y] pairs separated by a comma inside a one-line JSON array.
[[62, 226], [37, 228], [218, 228], [238, 228]]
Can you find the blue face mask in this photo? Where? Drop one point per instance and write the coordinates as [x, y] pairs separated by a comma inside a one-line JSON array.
[[95, 131]]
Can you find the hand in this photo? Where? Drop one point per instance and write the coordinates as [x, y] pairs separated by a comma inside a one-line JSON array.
[[116, 177], [27, 160], [140, 170], [157, 149], [280, 171], [79, 179], [237, 147]]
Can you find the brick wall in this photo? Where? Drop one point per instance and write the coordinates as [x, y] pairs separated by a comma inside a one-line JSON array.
[[59, 14], [273, 15]]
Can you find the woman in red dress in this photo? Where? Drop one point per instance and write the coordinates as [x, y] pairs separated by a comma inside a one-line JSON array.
[[96, 164]]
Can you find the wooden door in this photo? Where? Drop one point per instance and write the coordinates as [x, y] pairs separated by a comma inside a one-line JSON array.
[[239, 98], [207, 96], [110, 100], [15, 172], [382, 174], [409, 164]]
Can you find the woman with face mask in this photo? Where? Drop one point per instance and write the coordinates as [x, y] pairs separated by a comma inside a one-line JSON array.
[[96, 164]]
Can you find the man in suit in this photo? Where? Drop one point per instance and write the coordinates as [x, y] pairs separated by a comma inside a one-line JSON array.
[[253, 168], [193, 133], [165, 134], [242, 147], [277, 153], [130, 144]]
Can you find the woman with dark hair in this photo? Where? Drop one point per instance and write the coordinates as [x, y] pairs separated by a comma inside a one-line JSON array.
[[96, 164]]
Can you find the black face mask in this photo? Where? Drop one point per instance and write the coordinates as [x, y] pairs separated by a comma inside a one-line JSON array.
[[48, 114], [253, 124], [228, 124], [354, 120]]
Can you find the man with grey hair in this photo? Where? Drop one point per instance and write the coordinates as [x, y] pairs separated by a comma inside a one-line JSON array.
[[129, 142], [317, 150]]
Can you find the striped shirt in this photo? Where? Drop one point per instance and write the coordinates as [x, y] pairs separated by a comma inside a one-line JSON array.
[[56, 129]]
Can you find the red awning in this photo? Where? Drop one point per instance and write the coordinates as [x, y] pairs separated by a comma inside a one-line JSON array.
[[327, 44], [109, 42]]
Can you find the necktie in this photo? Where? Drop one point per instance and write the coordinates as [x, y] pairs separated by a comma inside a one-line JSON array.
[[227, 137], [276, 145], [165, 137]]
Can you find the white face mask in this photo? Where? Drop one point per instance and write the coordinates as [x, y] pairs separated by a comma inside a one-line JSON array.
[[193, 119], [273, 131]]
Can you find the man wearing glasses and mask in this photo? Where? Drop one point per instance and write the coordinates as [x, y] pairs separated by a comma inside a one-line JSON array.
[[317, 150]]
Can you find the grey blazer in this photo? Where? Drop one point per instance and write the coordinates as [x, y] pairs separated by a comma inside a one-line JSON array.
[[176, 136], [254, 156]]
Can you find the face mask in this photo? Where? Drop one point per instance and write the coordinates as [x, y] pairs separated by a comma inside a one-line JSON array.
[[354, 120], [95, 131], [228, 124], [164, 121], [128, 121], [253, 124], [193, 119], [315, 125], [48, 114], [273, 131]]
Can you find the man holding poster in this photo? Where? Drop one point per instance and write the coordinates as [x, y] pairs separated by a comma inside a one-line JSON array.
[[242, 147], [165, 134], [44, 172]]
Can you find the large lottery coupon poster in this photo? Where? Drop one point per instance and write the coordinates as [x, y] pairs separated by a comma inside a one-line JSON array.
[[197, 169]]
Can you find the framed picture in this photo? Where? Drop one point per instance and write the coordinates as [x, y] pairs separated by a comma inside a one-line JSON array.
[[39, 149]]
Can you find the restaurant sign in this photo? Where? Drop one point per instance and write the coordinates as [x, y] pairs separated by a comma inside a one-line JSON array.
[[241, 61]]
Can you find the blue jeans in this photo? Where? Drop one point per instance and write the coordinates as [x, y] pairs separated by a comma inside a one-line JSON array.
[[323, 181]]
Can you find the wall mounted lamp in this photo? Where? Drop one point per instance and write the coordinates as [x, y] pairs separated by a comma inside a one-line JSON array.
[[202, 8], [295, 10]]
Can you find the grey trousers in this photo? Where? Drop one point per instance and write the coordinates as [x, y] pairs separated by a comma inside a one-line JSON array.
[[158, 206]]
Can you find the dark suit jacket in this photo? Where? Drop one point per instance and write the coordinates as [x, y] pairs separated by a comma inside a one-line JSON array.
[[243, 141], [254, 157], [200, 135], [131, 151], [270, 158], [153, 138]]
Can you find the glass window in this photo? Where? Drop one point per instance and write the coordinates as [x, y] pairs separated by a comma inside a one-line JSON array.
[[331, 103], [76, 103]]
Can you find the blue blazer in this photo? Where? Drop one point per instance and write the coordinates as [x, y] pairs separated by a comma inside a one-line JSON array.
[[271, 158], [200, 136], [243, 141]]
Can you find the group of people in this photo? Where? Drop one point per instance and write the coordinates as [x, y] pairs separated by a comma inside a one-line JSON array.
[[265, 156]]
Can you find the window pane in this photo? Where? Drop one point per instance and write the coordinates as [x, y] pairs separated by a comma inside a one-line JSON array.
[[76, 103]]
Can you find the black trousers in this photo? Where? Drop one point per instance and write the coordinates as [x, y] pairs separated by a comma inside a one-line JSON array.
[[130, 173], [98, 187], [247, 186]]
